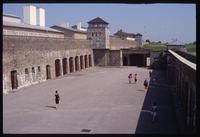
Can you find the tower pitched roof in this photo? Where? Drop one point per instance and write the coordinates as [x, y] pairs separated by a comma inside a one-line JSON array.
[[120, 33], [97, 20]]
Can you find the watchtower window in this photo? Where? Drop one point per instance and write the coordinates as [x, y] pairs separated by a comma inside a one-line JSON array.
[[26, 70], [33, 70]]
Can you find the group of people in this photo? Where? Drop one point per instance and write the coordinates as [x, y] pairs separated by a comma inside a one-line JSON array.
[[130, 77], [146, 83]]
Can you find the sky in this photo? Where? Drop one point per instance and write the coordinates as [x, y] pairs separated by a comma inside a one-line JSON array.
[[156, 22]]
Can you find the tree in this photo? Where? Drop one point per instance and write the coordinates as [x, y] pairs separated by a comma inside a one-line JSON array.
[[148, 40]]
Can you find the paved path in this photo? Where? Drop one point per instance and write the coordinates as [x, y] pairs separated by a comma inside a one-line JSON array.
[[98, 99]]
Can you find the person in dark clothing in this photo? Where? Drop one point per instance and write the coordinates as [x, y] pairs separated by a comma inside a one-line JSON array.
[[57, 98], [146, 84], [154, 111], [135, 77], [150, 74]]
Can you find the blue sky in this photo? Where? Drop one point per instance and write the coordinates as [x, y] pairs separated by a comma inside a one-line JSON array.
[[156, 22]]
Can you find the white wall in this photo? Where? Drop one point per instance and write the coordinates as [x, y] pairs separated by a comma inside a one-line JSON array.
[[128, 38]]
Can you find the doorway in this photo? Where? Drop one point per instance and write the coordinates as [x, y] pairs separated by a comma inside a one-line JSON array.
[[71, 64], [64, 61], [48, 71], [57, 67], [14, 81]]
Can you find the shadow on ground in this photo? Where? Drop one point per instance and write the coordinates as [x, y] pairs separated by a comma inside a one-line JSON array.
[[165, 121], [51, 107]]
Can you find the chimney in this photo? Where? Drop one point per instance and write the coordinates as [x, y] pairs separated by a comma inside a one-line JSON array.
[[79, 26], [40, 17], [29, 13], [34, 16]]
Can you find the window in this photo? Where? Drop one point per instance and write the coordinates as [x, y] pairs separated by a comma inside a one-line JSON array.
[[39, 69], [33, 70], [96, 33], [26, 70], [92, 34]]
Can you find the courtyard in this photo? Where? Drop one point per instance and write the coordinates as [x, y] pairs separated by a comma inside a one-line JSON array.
[[95, 100]]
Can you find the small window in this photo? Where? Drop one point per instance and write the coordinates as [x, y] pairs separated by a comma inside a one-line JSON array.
[[39, 69], [96, 33], [26, 70], [92, 34], [33, 70]]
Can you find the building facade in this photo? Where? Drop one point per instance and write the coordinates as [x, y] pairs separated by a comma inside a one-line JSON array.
[[35, 53]]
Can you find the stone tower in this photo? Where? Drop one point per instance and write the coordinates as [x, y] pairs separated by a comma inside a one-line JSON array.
[[99, 33]]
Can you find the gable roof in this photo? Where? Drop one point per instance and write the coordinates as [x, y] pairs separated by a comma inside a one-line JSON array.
[[97, 20], [120, 33]]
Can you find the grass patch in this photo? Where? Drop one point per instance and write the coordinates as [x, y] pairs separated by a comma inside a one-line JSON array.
[[157, 47], [191, 48]]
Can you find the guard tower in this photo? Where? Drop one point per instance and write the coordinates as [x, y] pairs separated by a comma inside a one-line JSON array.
[[99, 33]]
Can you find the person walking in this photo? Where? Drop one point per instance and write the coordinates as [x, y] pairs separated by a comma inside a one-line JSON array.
[[150, 74], [146, 83], [130, 77], [135, 77], [57, 98], [154, 111]]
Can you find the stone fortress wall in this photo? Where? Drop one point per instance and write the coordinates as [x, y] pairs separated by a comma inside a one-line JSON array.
[[118, 43], [30, 56]]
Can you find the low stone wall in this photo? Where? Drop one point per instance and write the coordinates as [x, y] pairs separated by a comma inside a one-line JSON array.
[[183, 77], [186, 55]]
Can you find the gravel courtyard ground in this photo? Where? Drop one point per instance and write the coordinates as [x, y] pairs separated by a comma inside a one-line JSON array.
[[98, 99]]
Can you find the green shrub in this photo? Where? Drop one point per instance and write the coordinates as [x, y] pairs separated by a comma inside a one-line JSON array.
[[155, 46], [191, 48]]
